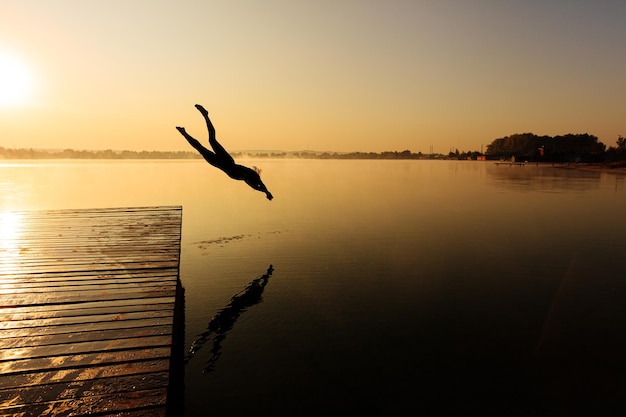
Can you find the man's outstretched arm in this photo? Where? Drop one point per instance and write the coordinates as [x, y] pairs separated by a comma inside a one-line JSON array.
[[192, 141], [206, 154]]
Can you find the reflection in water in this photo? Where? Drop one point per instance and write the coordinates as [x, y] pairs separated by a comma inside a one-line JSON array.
[[619, 183], [545, 178], [223, 321]]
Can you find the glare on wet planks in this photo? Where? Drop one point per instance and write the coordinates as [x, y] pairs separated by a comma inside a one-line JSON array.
[[90, 310]]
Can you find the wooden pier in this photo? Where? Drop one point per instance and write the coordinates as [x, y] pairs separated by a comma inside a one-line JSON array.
[[91, 312], [519, 164]]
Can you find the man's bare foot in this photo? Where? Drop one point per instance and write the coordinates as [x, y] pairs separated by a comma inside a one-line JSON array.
[[202, 110]]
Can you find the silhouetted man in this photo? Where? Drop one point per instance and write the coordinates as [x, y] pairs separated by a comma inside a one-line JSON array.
[[219, 158]]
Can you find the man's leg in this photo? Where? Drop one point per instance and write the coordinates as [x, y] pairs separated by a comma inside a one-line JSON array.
[[217, 147]]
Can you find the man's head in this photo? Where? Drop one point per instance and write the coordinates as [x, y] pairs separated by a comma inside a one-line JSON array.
[[253, 179]]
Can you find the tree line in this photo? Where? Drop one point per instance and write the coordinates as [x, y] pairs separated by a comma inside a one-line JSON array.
[[30, 153], [22, 153], [523, 146]]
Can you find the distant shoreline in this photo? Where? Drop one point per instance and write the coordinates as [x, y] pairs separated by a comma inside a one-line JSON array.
[[125, 154], [617, 167]]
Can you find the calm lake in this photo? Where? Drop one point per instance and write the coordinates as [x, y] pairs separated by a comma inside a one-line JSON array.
[[398, 287]]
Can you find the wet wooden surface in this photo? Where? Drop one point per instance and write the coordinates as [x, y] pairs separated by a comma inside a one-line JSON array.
[[87, 301]]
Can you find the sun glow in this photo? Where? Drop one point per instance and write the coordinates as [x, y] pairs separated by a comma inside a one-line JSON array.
[[16, 81]]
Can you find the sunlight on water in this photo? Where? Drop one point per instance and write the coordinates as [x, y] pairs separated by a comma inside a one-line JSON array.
[[10, 233], [10, 230]]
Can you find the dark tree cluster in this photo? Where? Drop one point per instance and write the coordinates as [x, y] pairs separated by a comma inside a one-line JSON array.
[[563, 148], [617, 153], [372, 155], [463, 156], [406, 154]]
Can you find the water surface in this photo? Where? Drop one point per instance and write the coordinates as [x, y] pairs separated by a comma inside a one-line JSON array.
[[398, 287]]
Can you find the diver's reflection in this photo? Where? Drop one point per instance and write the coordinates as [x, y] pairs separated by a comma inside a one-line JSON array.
[[223, 321]]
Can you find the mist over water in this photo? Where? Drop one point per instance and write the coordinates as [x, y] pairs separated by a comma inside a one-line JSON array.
[[398, 287]]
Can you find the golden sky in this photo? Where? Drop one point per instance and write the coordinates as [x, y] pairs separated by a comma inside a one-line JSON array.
[[336, 75]]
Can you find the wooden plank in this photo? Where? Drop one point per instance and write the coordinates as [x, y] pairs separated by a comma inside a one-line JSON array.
[[72, 361], [46, 377], [68, 276], [65, 390], [84, 347], [59, 338], [94, 404], [97, 267], [122, 325], [83, 296], [87, 308], [100, 288], [59, 321], [87, 312], [35, 286], [50, 276]]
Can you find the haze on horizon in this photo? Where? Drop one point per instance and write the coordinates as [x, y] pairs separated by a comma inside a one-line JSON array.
[[324, 75]]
